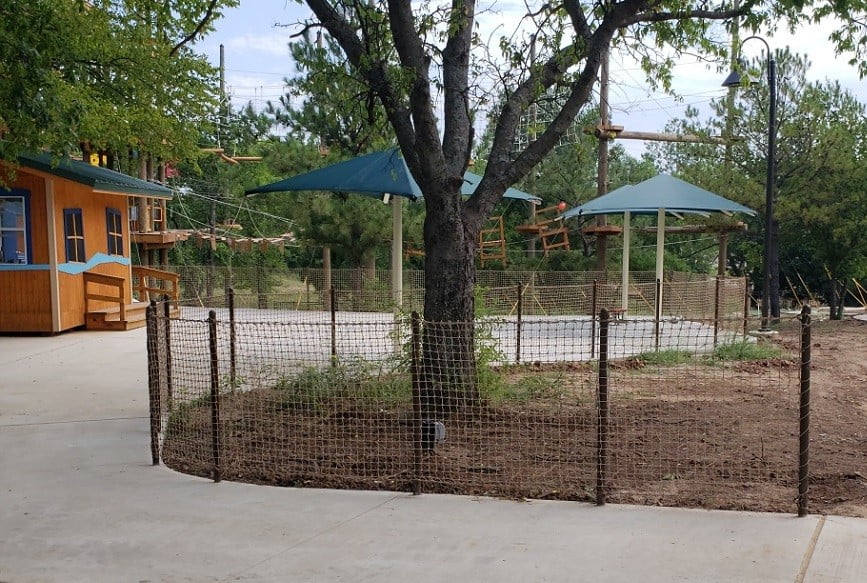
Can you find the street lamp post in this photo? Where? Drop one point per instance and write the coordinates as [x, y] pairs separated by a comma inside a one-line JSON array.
[[770, 264]]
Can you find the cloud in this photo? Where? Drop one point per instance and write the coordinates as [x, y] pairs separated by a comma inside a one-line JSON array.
[[274, 44]]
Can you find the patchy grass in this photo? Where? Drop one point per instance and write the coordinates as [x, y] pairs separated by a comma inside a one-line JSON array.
[[746, 351]]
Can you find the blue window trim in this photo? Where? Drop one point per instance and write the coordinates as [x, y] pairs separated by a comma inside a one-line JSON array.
[[25, 194], [73, 212], [118, 238]]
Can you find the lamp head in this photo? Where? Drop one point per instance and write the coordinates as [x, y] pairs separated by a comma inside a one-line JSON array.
[[736, 78]]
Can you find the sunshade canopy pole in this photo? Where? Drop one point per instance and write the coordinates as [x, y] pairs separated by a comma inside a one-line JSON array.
[[397, 251], [625, 268], [660, 253]]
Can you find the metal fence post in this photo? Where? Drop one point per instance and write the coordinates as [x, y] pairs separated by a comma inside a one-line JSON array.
[[233, 351], [804, 413], [167, 322], [518, 329], [262, 298], [716, 311], [594, 300], [153, 381], [415, 375], [746, 306], [333, 303], [215, 396], [657, 311], [602, 410]]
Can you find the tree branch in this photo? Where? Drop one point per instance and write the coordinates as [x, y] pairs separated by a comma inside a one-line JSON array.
[[209, 13], [685, 14], [456, 62]]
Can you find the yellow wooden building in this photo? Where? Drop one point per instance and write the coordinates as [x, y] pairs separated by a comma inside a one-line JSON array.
[[65, 245]]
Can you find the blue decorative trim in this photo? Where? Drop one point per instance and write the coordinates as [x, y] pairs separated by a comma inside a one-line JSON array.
[[97, 259], [24, 267]]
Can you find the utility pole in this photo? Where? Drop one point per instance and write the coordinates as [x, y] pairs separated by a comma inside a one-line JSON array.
[[212, 243], [602, 170]]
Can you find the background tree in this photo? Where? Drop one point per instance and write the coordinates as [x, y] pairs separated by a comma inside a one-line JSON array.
[[415, 59], [116, 74], [820, 191]]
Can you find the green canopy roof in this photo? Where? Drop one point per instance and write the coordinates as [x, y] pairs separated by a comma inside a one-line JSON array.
[[373, 175], [660, 192], [97, 178]]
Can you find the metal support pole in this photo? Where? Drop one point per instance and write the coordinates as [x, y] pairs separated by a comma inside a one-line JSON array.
[[658, 312], [716, 310], [233, 360], [333, 306], [153, 382], [415, 375], [167, 322], [518, 329], [804, 416], [602, 410], [594, 301], [215, 397]]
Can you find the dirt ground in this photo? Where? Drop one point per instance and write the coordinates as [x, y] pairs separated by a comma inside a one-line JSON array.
[[838, 437], [697, 435]]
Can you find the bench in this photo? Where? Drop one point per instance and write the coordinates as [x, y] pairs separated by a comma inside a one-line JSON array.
[[617, 313]]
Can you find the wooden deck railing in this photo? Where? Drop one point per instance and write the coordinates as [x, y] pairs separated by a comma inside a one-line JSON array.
[[167, 283], [116, 283]]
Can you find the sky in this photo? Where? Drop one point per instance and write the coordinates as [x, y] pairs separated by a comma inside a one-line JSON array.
[[257, 61]]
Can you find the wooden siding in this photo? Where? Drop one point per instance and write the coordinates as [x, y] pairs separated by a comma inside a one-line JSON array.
[[26, 294], [73, 195], [26, 301], [69, 195], [72, 305]]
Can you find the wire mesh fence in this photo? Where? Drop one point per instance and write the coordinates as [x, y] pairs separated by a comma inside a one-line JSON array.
[[551, 293], [629, 409]]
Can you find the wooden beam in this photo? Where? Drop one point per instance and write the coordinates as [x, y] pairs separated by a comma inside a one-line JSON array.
[[739, 226], [684, 138], [614, 132]]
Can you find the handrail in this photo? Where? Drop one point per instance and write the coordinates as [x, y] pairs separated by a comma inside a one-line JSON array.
[[145, 273], [109, 280]]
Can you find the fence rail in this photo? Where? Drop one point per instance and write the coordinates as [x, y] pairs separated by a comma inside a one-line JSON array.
[[583, 408]]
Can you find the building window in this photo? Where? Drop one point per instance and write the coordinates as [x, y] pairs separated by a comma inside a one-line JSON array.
[[114, 227], [133, 218], [13, 229], [73, 232], [158, 216]]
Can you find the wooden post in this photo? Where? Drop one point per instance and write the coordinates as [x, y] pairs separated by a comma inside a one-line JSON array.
[[602, 170]]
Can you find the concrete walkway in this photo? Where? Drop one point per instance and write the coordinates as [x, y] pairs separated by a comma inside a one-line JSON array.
[[79, 501]]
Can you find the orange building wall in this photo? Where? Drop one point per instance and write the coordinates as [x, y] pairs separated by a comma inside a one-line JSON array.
[[73, 195], [25, 295], [26, 301]]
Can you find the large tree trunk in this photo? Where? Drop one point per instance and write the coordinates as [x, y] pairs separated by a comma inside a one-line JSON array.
[[448, 338]]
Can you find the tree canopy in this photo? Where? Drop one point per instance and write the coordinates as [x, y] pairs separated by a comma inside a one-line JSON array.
[[119, 74], [821, 200], [433, 74]]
